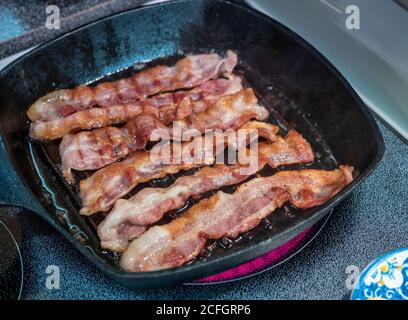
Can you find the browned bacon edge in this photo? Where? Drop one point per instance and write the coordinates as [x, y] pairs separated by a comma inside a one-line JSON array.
[[103, 188], [166, 107], [130, 218], [229, 215], [90, 150], [186, 73]]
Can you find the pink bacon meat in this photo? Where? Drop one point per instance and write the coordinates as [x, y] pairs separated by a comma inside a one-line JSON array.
[[103, 188], [180, 241], [186, 73], [130, 218], [90, 150], [166, 107]]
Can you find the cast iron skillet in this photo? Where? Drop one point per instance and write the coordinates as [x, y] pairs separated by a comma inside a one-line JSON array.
[[300, 88]]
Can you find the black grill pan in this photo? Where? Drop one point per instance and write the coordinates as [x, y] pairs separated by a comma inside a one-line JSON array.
[[297, 84]]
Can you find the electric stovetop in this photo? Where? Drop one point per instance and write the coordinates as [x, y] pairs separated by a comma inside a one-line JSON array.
[[371, 50]]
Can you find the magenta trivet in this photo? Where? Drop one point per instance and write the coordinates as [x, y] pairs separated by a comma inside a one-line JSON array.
[[263, 262]]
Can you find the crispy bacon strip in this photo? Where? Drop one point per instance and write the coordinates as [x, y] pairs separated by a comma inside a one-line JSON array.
[[103, 188], [223, 214], [90, 150], [186, 73], [166, 107], [130, 218]]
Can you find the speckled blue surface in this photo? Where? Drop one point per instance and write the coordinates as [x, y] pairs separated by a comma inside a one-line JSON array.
[[371, 221], [23, 21]]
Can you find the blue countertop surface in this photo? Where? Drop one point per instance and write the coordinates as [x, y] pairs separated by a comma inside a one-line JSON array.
[[370, 222]]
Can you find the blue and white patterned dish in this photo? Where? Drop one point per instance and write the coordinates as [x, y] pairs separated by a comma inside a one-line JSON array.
[[385, 278]]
